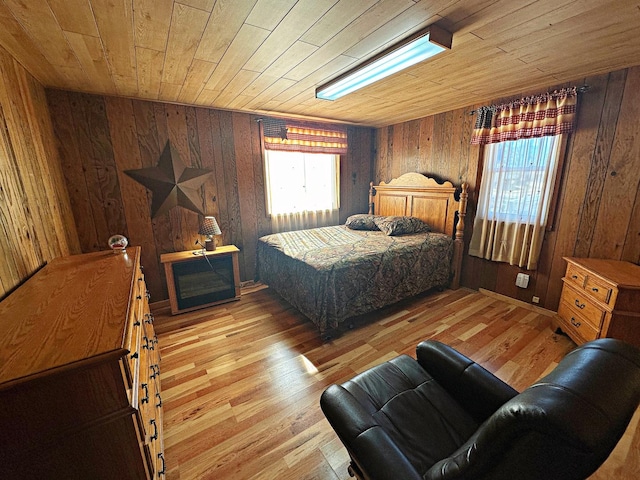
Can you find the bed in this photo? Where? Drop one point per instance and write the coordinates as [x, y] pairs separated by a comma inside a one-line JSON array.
[[331, 274]]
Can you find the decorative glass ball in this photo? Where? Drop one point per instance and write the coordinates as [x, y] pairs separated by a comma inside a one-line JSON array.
[[118, 243]]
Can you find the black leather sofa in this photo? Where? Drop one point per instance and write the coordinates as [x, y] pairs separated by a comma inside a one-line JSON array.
[[443, 416]]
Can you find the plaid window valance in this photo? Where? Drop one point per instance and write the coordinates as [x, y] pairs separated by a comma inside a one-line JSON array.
[[543, 115], [299, 136]]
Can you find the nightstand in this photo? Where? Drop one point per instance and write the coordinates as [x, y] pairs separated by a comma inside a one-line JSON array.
[[600, 298], [200, 278]]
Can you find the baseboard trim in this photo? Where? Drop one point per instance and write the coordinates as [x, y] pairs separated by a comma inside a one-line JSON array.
[[515, 301]]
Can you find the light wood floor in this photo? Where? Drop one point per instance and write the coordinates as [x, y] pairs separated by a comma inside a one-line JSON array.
[[241, 382]]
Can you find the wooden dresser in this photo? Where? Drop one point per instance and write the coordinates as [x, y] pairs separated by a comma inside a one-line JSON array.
[[600, 298], [79, 373]]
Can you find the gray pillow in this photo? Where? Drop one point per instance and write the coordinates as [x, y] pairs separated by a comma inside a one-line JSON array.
[[361, 221], [401, 225]]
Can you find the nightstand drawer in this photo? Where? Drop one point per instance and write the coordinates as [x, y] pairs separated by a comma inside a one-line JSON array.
[[578, 323], [576, 276], [598, 289], [583, 305]]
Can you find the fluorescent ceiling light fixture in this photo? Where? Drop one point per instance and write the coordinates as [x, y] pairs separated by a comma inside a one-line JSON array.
[[414, 49]]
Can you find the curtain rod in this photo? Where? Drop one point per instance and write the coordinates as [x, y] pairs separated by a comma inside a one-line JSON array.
[[582, 89]]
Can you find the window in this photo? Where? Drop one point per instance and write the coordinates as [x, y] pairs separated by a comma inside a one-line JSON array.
[[515, 199], [301, 182], [524, 140], [302, 173], [519, 178]]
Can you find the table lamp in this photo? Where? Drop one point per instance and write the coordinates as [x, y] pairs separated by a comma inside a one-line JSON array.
[[208, 228]]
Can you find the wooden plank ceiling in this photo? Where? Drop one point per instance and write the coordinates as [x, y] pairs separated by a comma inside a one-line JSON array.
[[269, 55]]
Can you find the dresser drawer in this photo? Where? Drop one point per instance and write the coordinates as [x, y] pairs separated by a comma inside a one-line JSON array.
[[133, 357], [133, 338], [576, 322]]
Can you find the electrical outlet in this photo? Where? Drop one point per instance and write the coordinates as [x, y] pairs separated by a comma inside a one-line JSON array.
[[535, 299], [522, 280]]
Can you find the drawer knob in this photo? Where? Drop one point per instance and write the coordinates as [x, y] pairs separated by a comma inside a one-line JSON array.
[[580, 305], [575, 323], [575, 277], [159, 404], [594, 289], [155, 369]]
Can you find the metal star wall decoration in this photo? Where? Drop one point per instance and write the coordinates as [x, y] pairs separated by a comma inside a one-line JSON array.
[[172, 183]]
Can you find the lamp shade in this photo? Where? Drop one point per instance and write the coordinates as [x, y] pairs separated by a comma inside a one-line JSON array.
[[209, 227]]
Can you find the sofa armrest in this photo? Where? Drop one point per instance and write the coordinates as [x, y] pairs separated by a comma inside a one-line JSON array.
[[363, 438], [476, 389]]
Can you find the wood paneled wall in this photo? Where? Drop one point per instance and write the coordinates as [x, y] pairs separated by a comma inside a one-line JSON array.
[[598, 211], [36, 223], [100, 137]]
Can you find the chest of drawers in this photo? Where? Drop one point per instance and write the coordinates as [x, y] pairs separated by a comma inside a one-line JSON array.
[[600, 298], [79, 373]]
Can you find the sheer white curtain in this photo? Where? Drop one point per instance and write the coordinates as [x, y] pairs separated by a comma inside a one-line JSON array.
[[518, 179], [302, 189], [287, 222]]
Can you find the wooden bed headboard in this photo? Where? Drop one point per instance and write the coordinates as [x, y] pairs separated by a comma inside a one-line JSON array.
[[413, 194]]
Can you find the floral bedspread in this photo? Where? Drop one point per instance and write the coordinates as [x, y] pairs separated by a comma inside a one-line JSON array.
[[333, 273]]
